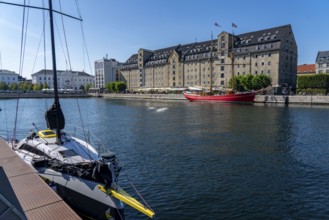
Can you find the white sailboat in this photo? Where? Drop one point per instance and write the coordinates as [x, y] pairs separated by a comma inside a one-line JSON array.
[[85, 179]]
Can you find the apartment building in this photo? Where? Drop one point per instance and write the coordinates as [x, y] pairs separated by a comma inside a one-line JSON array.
[[271, 51], [322, 62], [106, 71]]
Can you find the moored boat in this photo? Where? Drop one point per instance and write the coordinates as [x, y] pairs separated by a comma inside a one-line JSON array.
[[236, 97]]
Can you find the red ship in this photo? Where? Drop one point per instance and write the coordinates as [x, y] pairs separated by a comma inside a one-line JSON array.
[[237, 97]]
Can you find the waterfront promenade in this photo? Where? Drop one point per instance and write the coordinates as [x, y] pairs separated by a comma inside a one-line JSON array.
[[278, 99], [24, 195]]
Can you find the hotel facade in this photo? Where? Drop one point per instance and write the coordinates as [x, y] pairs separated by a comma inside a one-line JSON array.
[[272, 52], [65, 79]]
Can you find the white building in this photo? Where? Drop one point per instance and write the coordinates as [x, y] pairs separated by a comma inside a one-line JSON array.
[[8, 77], [322, 62], [65, 79], [106, 71]]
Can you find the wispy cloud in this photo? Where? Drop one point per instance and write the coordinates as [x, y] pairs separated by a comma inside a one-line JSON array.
[[6, 25]]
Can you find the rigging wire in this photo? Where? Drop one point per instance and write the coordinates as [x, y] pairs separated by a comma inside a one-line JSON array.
[[133, 186], [44, 19], [20, 72], [60, 40], [83, 35], [67, 48]]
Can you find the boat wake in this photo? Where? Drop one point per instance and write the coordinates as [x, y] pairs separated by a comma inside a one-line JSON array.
[[161, 109]]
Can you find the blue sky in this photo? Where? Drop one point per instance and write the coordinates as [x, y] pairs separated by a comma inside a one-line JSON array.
[[120, 27]]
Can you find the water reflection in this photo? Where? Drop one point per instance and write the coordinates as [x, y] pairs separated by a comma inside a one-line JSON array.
[[209, 160]]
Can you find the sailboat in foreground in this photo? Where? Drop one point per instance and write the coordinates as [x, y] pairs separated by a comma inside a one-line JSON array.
[[85, 179]]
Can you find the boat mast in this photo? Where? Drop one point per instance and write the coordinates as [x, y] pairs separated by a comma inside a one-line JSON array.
[[53, 51], [211, 62], [232, 61], [54, 116]]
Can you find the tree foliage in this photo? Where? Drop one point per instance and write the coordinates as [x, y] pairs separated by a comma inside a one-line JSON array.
[[4, 86], [116, 86], [87, 87], [250, 82], [260, 81]]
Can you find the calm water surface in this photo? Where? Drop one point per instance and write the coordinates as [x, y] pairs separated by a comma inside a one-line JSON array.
[[194, 160]]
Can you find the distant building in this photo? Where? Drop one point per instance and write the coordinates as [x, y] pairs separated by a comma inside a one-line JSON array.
[[106, 70], [65, 79], [272, 52], [8, 77], [306, 69], [322, 62]]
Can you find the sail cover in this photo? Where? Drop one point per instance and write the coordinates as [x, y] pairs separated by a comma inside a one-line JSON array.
[[55, 117]]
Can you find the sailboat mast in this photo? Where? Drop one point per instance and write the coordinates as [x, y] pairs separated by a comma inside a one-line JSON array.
[[211, 62], [56, 99], [232, 60], [53, 51]]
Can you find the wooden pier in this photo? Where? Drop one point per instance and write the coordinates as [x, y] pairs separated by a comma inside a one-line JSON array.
[[33, 196]]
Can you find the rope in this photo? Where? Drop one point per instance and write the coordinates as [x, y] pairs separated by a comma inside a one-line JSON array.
[[133, 186], [67, 49], [60, 40], [83, 35], [20, 72], [84, 133]]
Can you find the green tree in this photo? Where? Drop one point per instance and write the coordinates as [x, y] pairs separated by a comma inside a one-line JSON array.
[[238, 85], [29, 87], [23, 86], [110, 86], [13, 86], [261, 81], [82, 87], [120, 86], [45, 86], [36, 87], [3, 86], [247, 82], [87, 87]]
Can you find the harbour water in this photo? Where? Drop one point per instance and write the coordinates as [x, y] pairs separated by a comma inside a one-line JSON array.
[[194, 160]]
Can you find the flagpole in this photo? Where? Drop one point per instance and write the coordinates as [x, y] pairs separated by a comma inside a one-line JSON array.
[[211, 61], [232, 56]]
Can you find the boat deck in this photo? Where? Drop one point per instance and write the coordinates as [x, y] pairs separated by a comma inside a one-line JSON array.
[[36, 198]]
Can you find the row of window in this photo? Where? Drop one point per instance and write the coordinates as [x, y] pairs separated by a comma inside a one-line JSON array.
[[58, 79], [321, 71], [8, 78], [321, 65]]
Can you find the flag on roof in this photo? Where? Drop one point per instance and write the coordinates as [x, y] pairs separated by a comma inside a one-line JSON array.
[[216, 24], [234, 25]]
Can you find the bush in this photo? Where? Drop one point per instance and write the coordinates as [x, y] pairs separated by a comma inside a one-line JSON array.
[[318, 81], [311, 91]]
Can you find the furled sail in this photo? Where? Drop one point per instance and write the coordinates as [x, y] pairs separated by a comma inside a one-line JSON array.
[[55, 117]]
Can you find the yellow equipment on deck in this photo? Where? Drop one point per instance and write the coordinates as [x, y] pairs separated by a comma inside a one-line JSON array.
[[126, 198]]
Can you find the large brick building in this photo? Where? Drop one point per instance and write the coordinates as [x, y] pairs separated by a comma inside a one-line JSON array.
[[272, 52]]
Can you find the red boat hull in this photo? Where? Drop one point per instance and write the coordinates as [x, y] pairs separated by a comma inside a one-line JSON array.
[[243, 97]]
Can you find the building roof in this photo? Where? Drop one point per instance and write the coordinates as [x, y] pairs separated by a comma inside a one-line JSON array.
[[306, 68], [322, 57], [263, 36], [7, 72], [191, 51]]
